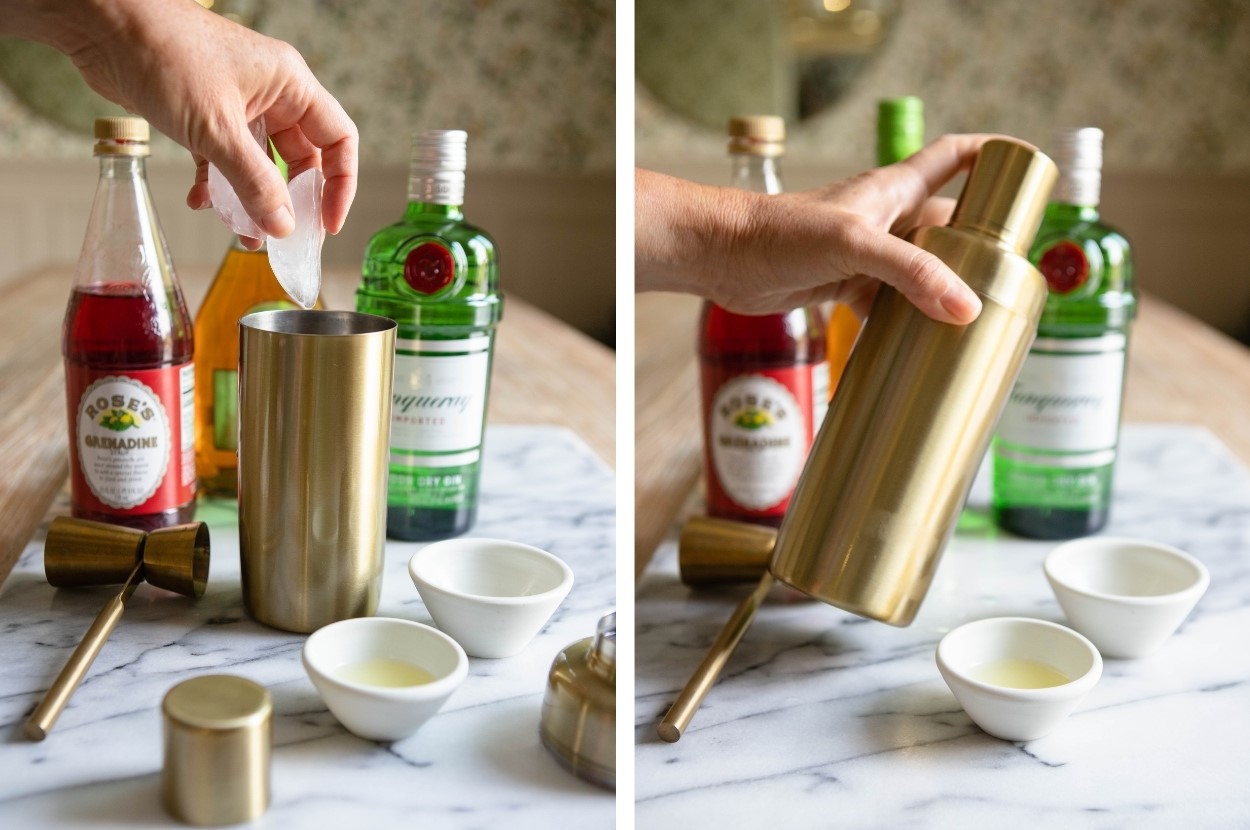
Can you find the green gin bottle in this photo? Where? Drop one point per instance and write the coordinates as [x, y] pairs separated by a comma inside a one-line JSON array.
[[1055, 450], [437, 276]]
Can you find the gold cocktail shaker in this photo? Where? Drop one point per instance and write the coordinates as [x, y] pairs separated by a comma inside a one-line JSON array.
[[913, 414]]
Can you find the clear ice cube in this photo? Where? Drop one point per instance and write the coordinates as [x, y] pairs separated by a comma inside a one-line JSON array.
[[226, 201], [296, 260]]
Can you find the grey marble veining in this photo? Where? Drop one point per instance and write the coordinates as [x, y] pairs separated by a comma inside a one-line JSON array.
[[478, 763], [823, 719]]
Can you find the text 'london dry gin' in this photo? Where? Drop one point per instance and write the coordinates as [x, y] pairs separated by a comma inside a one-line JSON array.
[[437, 276], [1055, 450]]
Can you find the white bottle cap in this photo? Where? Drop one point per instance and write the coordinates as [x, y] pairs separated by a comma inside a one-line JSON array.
[[1078, 153]]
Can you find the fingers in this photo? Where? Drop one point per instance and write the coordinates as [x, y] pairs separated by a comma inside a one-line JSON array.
[[254, 178], [907, 184], [918, 275], [198, 197], [326, 127]]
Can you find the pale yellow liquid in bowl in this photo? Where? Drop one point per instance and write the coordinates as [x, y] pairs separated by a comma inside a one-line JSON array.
[[384, 672], [1019, 674]]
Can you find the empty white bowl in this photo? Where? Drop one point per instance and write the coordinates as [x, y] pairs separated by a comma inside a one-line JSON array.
[[1127, 595], [334, 655], [492, 596], [999, 670]]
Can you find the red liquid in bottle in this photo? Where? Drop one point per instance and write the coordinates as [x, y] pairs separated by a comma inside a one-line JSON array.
[[764, 381], [123, 342]]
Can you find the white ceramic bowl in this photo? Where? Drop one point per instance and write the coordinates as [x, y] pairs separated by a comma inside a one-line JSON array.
[[492, 596], [1006, 711], [1127, 595], [383, 713]]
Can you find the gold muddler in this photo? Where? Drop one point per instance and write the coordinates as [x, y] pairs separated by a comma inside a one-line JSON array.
[[49, 709], [704, 677]]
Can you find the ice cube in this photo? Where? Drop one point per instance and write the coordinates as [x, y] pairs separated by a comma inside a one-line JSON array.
[[296, 260], [228, 207], [226, 201]]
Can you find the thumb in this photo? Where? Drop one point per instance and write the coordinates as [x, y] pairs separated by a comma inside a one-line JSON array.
[[255, 179], [921, 277]]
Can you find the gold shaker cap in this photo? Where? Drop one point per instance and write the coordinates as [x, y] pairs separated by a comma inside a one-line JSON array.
[[217, 749], [1006, 192], [757, 135], [578, 722], [122, 135]]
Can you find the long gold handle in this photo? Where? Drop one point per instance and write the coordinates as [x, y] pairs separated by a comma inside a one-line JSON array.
[[49, 709], [704, 677]]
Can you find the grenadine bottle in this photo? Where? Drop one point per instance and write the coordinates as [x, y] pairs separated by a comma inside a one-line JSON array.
[[764, 378], [127, 342]]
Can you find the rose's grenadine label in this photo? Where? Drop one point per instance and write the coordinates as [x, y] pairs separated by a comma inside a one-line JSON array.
[[429, 268], [1065, 267], [129, 446]]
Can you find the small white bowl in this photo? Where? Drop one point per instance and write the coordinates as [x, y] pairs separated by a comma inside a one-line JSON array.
[[1009, 711], [492, 596], [383, 713], [1127, 595]]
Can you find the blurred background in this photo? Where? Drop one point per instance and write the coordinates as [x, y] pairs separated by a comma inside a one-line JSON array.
[[533, 81], [1168, 82]]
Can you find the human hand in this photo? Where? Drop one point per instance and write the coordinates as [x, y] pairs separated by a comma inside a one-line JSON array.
[[201, 79], [757, 254]]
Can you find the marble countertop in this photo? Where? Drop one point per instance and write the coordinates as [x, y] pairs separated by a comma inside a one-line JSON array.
[[478, 763], [823, 719]]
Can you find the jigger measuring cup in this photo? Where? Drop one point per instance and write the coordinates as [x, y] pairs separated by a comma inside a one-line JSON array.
[[79, 553], [314, 430]]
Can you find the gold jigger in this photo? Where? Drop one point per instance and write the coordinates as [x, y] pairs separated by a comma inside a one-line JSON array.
[[79, 553], [721, 552]]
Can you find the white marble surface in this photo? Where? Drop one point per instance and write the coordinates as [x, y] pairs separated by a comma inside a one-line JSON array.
[[823, 719], [478, 763]]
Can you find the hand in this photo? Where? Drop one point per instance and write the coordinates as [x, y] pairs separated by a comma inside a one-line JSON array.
[[200, 79], [758, 254]]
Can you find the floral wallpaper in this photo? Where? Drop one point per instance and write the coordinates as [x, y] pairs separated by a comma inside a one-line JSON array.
[[1168, 81], [534, 81]]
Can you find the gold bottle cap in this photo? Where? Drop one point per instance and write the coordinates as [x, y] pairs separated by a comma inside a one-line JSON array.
[[217, 745], [578, 724], [122, 135], [721, 552], [1006, 193], [757, 135]]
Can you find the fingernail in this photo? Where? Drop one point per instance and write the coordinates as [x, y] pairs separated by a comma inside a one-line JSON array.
[[279, 223], [962, 305], [202, 204]]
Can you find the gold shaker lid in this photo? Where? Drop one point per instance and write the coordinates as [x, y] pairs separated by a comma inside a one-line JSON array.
[[721, 552], [757, 135], [217, 748], [1006, 192], [578, 724], [122, 135]]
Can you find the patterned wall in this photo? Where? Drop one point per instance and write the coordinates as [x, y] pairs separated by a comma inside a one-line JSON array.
[[532, 80], [1168, 81]]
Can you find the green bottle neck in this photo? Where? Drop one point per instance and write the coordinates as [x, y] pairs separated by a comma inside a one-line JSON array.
[[1066, 213], [424, 211]]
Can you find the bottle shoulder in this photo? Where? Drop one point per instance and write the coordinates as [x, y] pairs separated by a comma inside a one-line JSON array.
[[1088, 266]]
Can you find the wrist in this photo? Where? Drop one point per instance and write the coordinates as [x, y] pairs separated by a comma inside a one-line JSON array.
[[686, 233]]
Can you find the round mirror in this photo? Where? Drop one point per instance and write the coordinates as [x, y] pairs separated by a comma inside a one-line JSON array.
[[712, 59]]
